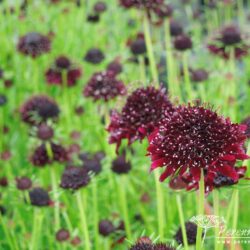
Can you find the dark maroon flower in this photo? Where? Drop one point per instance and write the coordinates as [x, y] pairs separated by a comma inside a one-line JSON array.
[[92, 162], [45, 132], [199, 75], [94, 56], [93, 18], [39, 197], [62, 235], [176, 28], [74, 178], [142, 246], [104, 86], [33, 44], [63, 65], [39, 108], [246, 122], [183, 42], [1, 73], [143, 111], [191, 230], [162, 246], [41, 156], [106, 227], [115, 67], [229, 38], [3, 182], [120, 165], [3, 99], [157, 7], [138, 47], [100, 7], [23, 183], [195, 138], [75, 241], [213, 180]]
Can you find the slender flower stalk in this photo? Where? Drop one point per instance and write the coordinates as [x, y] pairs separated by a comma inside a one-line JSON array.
[[55, 192], [121, 187], [182, 221], [150, 51], [96, 214], [160, 205], [216, 213], [188, 86], [235, 216], [83, 219], [201, 201]]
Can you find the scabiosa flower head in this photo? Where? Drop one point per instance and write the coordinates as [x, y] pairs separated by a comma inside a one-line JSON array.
[[230, 37], [196, 138], [191, 230], [93, 18], [138, 46], [120, 165], [41, 156], [106, 227], [39, 197], [63, 65], [33, 44], [115, 67], [162, 246], [23, 183], [92, 162], [142, 246], [39, 109], [183, 42], [104, 86], [74, 178], [3, 99], [199, 75], [62, 235], [3, 182], [94, 56], [246, 122], [100, 7], [143, 111], [213, 180], [176, 28], [45, 132]]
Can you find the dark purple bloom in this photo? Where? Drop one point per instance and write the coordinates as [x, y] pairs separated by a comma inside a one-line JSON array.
[[104, 86], [183, 42], [100, 7], [115, 67], [45, 132], [63, 65], [196, 138], [120, 165], [106, 227], [176, 28], [74, 178], [191, 230], [39, 197], [94, 56], [38, 109], [199, 75], [62, 235], [228, 39], [143, 111], [23, 183], [34, 44], [41, 157], [246, 122]]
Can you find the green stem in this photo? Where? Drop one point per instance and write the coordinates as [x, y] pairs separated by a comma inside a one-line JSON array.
[[83, 220], [37, 221], [55, 193], [188, 86], [160, 205], [142, 70], [216, 213], [182, 221], [235, 215], [150, 51], [201, 201], [96, 215], [121, 187]]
